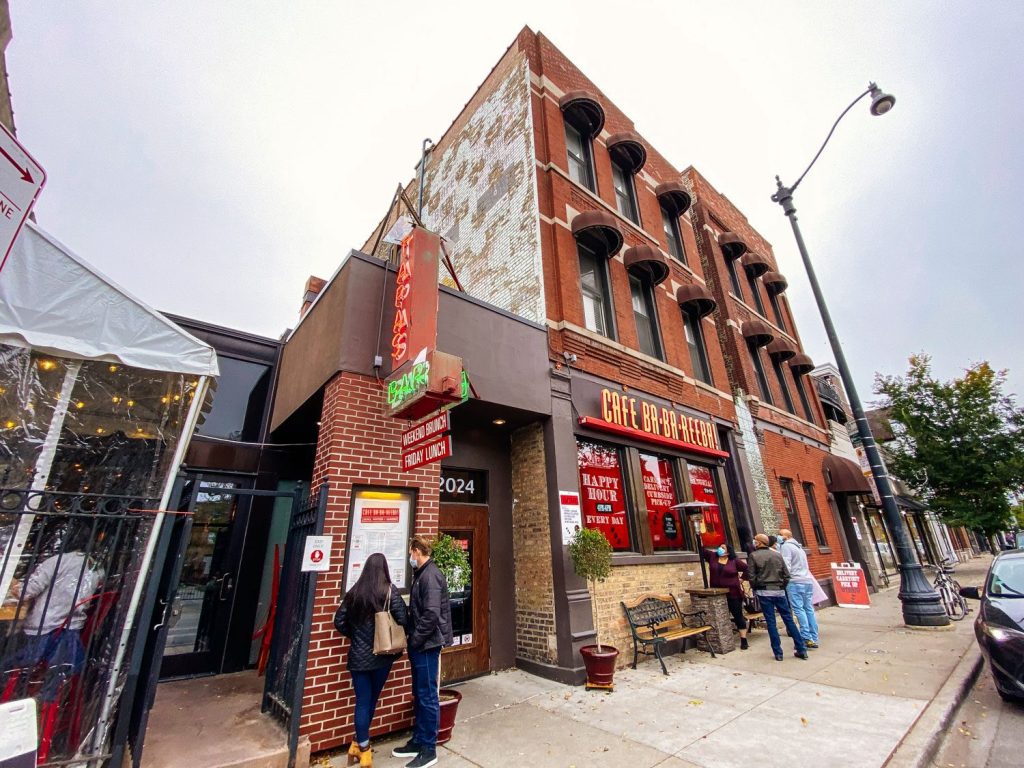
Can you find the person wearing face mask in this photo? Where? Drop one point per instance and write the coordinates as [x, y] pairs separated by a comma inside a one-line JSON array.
[[429, 629], [725, 571]]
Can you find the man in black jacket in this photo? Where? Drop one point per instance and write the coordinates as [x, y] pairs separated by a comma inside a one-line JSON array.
[[769, 576], [429, 630]]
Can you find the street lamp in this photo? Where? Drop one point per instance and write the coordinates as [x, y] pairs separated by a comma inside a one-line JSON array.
[[922, 606]]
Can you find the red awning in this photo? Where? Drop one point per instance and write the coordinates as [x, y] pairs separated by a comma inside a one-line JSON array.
[[732, 245], [696, 298], [628, 151], [843, 476], [758, 332], [647, 263], [673, 197], [598, 231]]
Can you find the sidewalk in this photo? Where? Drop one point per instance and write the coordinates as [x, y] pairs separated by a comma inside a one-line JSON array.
[[850, 705]]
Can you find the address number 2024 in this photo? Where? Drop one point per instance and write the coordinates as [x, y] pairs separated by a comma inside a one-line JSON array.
[[457, 485]]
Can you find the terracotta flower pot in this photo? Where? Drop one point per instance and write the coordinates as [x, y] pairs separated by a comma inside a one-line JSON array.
[[449, 709], [600, 665]]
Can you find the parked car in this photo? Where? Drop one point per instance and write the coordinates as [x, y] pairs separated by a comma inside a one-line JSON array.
[[1000, 623]]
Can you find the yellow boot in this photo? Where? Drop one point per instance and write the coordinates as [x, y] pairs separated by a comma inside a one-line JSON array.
[[366, 758], [355, 754]]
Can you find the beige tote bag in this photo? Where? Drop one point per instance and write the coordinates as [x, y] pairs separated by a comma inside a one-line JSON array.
[[388, 634]]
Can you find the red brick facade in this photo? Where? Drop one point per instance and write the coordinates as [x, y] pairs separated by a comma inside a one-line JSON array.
[[358, 445]]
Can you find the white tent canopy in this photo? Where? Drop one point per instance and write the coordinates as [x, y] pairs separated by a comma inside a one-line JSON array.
[[52, 301]]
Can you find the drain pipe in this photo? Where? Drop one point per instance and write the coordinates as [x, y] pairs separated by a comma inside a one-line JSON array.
[[427, 146]]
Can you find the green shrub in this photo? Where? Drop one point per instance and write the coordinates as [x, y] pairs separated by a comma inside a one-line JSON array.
[[591, 556], [453, 562]]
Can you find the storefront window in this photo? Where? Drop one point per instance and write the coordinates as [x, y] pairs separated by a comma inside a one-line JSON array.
[[702, 484], [602, 492], [665, 523]]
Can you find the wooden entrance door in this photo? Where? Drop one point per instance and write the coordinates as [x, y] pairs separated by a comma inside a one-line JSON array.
[[471, 654]]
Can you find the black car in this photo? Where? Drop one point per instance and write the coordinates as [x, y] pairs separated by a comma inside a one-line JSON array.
[[1000, 622]]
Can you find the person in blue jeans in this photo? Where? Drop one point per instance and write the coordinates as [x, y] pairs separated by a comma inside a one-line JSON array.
[[800, 589], [429, 629], [769, 576], [354, 619]]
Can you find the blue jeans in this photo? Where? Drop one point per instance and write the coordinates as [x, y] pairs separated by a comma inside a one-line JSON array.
[[769, 605], [368, 686], [425, 702], [800, 595]]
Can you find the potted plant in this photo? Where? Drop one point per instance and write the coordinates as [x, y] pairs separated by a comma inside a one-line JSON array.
[[591, 556], [451, 559]]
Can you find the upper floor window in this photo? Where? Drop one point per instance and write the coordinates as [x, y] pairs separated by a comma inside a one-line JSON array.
[[734, 278], [673, 236], [695, 343], [580, 155], [625, 193], [773, 297], [789, 504], [802, 392], [646, 317], [752, 284], [780, 375], [762, 378], [597, 309], [812, 509]]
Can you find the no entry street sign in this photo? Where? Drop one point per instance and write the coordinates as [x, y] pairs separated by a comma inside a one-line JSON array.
[[21, 178]]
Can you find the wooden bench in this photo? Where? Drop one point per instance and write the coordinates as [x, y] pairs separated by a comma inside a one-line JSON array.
[[657, 619]]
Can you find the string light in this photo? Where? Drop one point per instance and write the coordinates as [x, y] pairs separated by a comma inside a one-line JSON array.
[[131, 403], [100, 430], [164, 399], [113, 369], [47, 365], [115, 399], [80, 404], [10, 424]]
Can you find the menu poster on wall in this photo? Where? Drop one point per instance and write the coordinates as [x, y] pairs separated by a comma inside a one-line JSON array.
[[604, 501], [660, 494], [702, 484], [572, 518], [381, 522]]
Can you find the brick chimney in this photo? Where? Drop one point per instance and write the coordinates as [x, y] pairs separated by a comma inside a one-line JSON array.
[[313, 287]]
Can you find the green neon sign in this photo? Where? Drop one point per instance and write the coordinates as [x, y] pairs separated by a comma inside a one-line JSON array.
[[409, 385]]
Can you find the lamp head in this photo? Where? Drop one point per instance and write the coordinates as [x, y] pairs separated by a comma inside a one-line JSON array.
[[880, 102]]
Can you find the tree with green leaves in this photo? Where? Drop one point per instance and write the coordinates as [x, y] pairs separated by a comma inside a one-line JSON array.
[[958, 444], [591, 556]]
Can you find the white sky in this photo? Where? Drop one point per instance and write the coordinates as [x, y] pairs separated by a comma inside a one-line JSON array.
[[209, 156]]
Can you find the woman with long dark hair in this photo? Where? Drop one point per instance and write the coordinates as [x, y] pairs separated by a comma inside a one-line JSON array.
[[372, 593], [725, 571]]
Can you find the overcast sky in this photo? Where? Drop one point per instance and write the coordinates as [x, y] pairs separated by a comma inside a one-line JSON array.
[[209, 156]]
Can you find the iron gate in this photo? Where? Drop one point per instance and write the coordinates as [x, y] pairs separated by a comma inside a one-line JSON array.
[[62, 625], [286, 668]]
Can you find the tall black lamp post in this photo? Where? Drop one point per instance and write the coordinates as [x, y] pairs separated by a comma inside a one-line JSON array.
[[922, 606]]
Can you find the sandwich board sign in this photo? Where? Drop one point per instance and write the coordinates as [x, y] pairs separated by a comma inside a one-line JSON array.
[[21, 179]]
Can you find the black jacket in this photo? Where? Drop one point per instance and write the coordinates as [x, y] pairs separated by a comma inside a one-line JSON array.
[[767, 570], [361, 657], [430, 613]]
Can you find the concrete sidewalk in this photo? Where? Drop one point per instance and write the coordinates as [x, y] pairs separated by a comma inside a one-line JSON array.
[[851, 704]]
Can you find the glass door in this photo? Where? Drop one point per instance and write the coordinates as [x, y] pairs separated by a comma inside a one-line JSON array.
[[470, 655], [204, 600]]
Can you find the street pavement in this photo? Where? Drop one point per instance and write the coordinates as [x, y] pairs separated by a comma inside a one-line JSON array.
[[986, 733], [851, 704]]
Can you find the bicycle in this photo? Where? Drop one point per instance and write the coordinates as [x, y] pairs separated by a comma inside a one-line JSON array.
[[949, 591]]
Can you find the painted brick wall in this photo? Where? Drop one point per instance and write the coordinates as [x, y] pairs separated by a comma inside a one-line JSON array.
[[765, 503], [531, 543], [357, 445], [630, 581]]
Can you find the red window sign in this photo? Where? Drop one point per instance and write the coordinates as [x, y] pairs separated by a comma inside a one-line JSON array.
[[378, 515], [660, 493], [603, 494], [702, 483]]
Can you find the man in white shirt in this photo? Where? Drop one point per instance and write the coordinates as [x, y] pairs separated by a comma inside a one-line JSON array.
[[800, 589]]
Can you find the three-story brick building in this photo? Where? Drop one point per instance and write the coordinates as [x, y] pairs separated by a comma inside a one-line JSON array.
[[670, 370]]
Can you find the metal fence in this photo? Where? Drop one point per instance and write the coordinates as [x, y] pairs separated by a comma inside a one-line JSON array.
[[74, 559], [286, 667]]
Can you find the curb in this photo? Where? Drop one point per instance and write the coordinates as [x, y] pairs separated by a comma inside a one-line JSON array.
[[919, 745]]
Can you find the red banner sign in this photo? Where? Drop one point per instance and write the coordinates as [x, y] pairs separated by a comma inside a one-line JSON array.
[[702, 485], [849, 585], [425, 430], [660, 495], [415, 326], [427, 453]]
